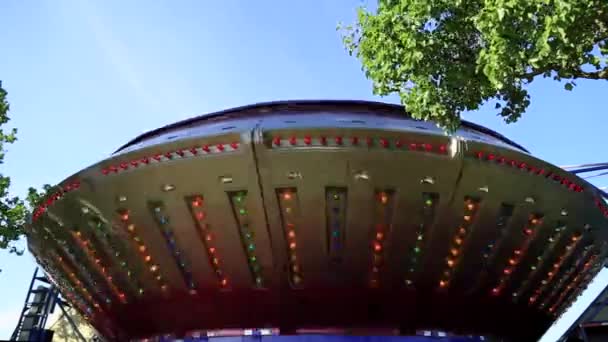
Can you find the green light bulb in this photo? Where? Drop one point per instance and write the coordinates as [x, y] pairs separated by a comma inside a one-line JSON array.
[[429, 202], [242, 211], [336, 197], [417, 249], [251, 247]]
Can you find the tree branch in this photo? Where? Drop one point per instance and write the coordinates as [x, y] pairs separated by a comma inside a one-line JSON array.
[[597, 75]]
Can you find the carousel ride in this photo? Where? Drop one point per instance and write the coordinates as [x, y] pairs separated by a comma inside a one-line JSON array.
[[311, 215]]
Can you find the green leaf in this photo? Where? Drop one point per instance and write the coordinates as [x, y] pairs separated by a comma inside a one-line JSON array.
[[477, 51]]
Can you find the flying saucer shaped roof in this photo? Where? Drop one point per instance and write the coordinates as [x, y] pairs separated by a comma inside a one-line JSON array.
[[320, 214]]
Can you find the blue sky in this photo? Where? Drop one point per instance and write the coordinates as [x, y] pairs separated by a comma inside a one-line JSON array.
[[86, 76]]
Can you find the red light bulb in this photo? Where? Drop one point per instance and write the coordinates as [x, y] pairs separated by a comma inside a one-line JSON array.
[[197, 202], [383, 198]]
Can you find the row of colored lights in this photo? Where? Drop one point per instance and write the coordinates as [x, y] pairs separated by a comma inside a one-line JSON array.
[[69, 254], [130, 228], [428, 214], [601, 205], [580, 278], [238, 201], [54, 197], [67, 290], [568, 250], [162, 219], [456, 248], [93, 282], [67, 270], [504, 217], [552, 241], [94, 259], [171, 155], [588, 254], [288, 203], [492, 248], [583, 284], [579, 284], [336, 220], [517, 255], [500, 160], [354, 141], [196, 205], [99, 228], [383, 211]]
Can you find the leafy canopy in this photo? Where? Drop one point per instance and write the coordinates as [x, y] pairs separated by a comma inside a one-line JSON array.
[[444, 57], [13, 211]]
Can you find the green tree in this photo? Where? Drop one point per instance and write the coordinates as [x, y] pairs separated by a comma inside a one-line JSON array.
[[444, 57], [13, 211]]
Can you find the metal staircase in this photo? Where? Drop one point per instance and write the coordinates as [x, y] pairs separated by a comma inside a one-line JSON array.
[[40, 302]]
